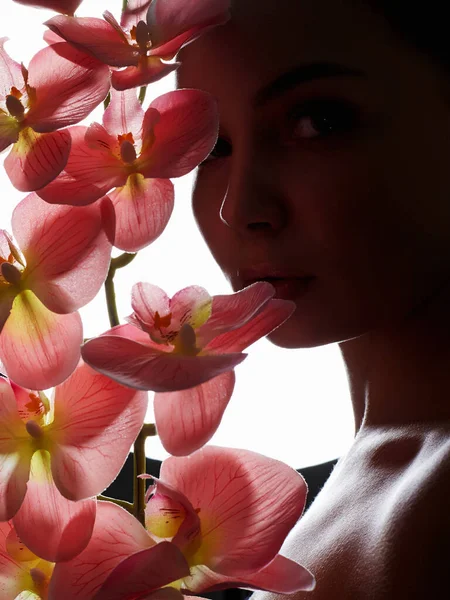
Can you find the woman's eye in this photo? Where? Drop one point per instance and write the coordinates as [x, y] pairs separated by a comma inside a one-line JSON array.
[[321, 119], [222, 149]]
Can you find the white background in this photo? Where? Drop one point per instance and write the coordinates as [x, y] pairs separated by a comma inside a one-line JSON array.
[[289, 404]]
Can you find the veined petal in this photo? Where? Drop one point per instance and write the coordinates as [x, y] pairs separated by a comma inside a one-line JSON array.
[[90, 173], [10, 72], [96, 422], [124, 114], [190, 305], [135, 11], [244, 519], [13, 575], [148, 70], [144, 571], [37, 158], [39, 348], [49, 525], [187, 420], [97, 37], [9, 130], [183, 136], [143, 208], [232, 311], [15, 455], [66, 7], [66, 248], [116, 535], [274, 313], [282, 576], [147, 300], [69, 85], [143, 368], [166, 20]]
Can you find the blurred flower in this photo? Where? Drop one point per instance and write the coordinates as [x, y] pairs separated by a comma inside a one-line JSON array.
[[62, 262], [142, 45], [66, 7], [20, 569], [57, 455], [137, 152], [61, 87], [187, 347]]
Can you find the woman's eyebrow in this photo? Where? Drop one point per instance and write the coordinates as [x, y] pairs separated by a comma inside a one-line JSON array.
[[301, 74]]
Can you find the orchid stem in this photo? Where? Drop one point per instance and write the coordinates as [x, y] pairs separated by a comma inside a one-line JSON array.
[[107, 100], [142, 92], [116, 263], [140, 467], [124, 5], [123, 503]]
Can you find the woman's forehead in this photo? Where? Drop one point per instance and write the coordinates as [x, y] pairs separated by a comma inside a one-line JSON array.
[[264, 37]]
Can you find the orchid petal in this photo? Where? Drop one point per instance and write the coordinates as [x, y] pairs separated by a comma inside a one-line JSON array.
[[91, 171], [167, 19], [190, 305], [97, 37], [15, 456], [10, 72], [281, 575], [147, 300], [169, 593], [66, 7], [39, 348], [69, 85], [12, 574], [143, 208], [141, 367], [149, 70], [67, 250], [143, 572], [187, 420], [37, 158], [116, 535], [51, 526], [272, 316], [9, 130], [124, 114], [96, 422], [50, 37], [244, 522], [135, 11], [232, 311], [183, 136]]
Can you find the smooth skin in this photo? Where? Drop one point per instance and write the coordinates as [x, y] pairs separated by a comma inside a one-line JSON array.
[[336, 179]]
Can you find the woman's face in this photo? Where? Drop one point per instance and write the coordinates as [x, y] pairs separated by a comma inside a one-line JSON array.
[[331, 175]]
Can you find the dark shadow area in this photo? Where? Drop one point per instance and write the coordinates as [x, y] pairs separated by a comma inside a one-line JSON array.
[[315, 477]]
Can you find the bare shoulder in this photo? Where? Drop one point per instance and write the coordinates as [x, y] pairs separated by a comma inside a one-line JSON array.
[[380, 528]]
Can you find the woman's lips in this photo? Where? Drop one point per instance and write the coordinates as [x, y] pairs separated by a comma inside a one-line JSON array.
[[289, 288], [286, 288]]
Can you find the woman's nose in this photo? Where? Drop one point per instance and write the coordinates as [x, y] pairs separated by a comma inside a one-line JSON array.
[[253, 201]]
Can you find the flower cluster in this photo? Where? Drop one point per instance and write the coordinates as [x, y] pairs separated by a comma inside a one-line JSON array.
[[216, 517]]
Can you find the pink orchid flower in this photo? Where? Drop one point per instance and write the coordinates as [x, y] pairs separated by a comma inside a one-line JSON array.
[[136, 153], [63, 262], [116, 536], [20, 569], [61, 87], [186, 348], [66, 7], [57, 455], [226, 511], [142, 45]]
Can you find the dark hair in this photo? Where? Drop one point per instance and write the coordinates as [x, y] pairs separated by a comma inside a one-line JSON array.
[[422, 24]]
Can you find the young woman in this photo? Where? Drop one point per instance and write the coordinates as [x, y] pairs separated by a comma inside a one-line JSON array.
[[331, 180]]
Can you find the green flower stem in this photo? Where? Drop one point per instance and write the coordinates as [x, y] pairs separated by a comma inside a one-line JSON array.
[[116, 263], [142, 92], [140, 467], [126, 505], [124, 5], [106, 101]]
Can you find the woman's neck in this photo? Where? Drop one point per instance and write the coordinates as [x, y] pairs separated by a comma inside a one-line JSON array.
[[402, 375]]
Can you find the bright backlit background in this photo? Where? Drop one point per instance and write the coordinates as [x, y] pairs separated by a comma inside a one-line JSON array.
[[289, 404]]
